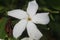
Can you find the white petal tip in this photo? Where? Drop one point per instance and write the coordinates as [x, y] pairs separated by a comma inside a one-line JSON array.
[[47, 13], [34, 1], [41, 35], [15, 36], [9, 13]]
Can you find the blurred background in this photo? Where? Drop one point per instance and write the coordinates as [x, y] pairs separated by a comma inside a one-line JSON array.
[[50, 31]]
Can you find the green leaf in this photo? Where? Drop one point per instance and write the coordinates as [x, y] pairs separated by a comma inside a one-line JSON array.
[[1, 8], [2, 27], [41, 3], [55, 26], [53, 3]]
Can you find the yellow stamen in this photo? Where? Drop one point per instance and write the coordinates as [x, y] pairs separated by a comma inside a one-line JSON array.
[[29, 19]]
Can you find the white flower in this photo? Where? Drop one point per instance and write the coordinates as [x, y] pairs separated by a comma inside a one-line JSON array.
[[27, 38], [1, 39], [28, 20]]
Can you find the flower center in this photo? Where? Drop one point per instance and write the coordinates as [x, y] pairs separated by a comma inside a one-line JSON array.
[[29, 19]]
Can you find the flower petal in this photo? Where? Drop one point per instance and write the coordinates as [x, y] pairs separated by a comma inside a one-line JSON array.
[[19, 28], [41, 18], [1, 39], [20, 14], [32, 8], [27, 38], [33, 31]]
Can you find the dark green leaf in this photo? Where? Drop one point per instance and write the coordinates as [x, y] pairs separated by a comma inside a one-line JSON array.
[[2, 27], [53, 3]]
